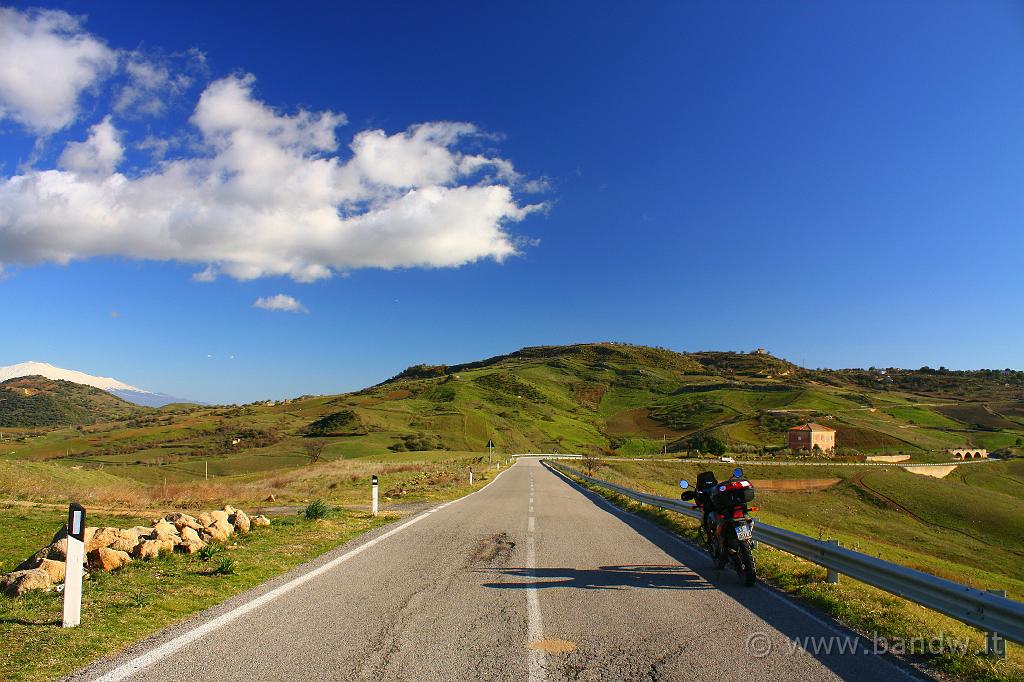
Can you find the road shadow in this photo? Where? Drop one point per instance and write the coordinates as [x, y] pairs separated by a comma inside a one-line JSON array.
[[793, 621], [650, 576]]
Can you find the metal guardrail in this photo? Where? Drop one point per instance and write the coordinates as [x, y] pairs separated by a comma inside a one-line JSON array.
[[983, 610]]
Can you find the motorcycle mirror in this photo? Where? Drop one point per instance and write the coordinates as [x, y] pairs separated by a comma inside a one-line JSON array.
[[737, 472], [684, 483]]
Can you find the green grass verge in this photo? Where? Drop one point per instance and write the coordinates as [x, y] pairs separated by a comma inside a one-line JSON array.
[[123, 607]]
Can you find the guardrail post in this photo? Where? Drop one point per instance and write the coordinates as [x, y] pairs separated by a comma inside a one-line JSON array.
[[995, 645], [832, 577]]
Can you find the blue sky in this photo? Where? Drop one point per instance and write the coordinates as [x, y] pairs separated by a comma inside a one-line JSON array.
[[839, 183]]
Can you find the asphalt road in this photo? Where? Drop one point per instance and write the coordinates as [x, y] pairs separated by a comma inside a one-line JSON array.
[[530, 578]]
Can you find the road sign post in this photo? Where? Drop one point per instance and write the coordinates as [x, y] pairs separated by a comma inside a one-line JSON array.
[[373, 480], [490, 449], [73, 566]]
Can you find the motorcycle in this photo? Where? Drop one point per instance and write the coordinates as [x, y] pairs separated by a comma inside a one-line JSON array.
[[727, 528]]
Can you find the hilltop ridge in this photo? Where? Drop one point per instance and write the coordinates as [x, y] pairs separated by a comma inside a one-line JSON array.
[[596, 397]]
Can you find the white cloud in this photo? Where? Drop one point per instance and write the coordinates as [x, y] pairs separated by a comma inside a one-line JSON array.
[[98, 155], [280, 302], [46, 62], [150, 83], [269, 193], [156, 146]]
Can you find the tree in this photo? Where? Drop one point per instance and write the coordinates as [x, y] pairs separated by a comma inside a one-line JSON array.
[[706, 443], [591, 463], [314, 448]]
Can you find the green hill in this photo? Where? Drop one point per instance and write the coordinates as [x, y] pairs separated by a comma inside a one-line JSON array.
[[603, 397], [36, 401], [634, 399]]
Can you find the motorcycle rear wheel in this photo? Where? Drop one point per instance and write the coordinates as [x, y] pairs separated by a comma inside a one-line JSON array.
[[745, 564]]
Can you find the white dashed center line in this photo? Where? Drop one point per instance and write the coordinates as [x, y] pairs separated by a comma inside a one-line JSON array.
[[534, 625]]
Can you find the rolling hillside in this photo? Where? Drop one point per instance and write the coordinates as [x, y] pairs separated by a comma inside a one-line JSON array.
[[634, 400], [37, 401], [609, 398]]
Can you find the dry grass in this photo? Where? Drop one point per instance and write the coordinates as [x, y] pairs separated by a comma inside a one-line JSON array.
[[47, 482]]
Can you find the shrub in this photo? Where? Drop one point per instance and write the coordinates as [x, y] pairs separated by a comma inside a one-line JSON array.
[[343, 423], [316, 509], [706, 443], [417, 442]]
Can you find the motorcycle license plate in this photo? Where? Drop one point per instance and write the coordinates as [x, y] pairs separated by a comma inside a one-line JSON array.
[[743, 531]]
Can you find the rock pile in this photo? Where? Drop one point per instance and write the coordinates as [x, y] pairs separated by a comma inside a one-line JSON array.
[[108, 549]]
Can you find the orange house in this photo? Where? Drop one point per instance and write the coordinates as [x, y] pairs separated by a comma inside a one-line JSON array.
[[807, 436]]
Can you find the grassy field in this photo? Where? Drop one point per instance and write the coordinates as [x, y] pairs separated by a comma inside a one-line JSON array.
[[404, 477], [865, 609]]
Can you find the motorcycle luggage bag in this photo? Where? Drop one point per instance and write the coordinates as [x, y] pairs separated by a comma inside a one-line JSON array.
[[732, 493]]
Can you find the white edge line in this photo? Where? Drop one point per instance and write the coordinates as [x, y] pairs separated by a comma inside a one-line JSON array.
[[181, 641]]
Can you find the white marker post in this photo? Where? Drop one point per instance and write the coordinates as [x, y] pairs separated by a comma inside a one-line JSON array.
[[471, 475], [373, 480], [73, 566]]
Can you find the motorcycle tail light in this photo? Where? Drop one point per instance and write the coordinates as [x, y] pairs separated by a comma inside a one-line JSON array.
[[737, 513]]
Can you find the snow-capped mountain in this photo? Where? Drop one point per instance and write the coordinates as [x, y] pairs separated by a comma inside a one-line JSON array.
[[122, 390]]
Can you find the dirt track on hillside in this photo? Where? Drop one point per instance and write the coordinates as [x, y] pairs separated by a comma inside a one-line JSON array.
[[795, 484]]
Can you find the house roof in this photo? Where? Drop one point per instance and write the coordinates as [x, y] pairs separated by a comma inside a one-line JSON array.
[[811, 426]]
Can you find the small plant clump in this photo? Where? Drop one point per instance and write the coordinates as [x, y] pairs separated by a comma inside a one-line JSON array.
[[316, 509], [210, 551], [225, 567]]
